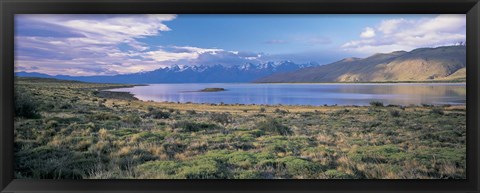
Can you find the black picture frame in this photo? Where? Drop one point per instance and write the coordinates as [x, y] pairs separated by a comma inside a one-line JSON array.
[[11, 7]]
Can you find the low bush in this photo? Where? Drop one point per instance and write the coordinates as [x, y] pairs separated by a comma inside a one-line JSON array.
[[426, 105], [66, 106], [335, 174], [273, 125], [248, 174], [280, 111], [376, 104], [193, 126], [104, 116], [159, 114], [394, 113], [53, 163], [299, 167], [132, 119], [437, 111], [222, 118], [25, 106], [203, 169], [242, 159], [191, 112], [378, 154], [262, 110], [158, 169]]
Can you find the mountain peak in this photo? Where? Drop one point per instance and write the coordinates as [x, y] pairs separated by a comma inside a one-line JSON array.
[[192, 74], [425, 64], [350, 59]]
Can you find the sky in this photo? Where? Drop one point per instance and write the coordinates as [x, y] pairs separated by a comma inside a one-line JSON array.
[[86, 45]]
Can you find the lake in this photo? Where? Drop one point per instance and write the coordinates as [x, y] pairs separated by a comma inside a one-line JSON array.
[[305, 94]]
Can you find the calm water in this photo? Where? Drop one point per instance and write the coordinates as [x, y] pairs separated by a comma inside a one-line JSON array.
[[305, 94]]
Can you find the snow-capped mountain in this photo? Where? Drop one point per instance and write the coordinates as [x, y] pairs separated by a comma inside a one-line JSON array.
[[190, 74]]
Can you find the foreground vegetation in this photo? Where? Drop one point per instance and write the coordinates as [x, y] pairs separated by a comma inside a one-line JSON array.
[[73, 130]]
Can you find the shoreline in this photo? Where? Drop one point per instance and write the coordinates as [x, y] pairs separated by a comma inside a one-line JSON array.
[[326, 83], [121, 95], [304, 106], [124, 95]]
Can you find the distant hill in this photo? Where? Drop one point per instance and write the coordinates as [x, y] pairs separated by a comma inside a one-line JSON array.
[[189, 74], [423, 64]]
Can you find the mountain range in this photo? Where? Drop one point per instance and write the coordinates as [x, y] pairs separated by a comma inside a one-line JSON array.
[[189, 74], [447, 63]]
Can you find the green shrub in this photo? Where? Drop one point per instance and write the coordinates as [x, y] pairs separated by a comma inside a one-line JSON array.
[[158, 169], [335, 174], [273, 125], [132, 119], [104, 116], [248, 174], [133, 157], [203, 169], [242, 159], [256, 132], [280, 111], [445, 154], [53, 163], [262, 110], [394, 113], [376, 104], [66, 106], [25, 106], [47, 106], [172, 148], [299, 167], [340, 112], [159, 114], [52, 124], [65, 121], [378, 154], [437, 111], [194, 127], [151, 137], [222, 118], [124, 132], [276, 144], [150, 109]]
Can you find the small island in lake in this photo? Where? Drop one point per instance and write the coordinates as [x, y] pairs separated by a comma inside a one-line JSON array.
[[212, 90]]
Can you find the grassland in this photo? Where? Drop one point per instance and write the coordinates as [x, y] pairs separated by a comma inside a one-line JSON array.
[[74, 130]]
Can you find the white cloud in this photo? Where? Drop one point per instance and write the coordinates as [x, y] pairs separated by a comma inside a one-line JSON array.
[[408, 34], [389, 26], [164, 56], [109, 29], [198, 50], [368, 33], [180, 53], [94, 49]]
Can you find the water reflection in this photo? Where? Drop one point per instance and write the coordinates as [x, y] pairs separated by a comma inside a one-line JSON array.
[[305, 94]]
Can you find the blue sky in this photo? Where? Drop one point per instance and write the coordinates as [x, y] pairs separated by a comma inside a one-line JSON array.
[[83, 45]]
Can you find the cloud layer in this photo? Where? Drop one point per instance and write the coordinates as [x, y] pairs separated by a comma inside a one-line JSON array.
[[82, 45], [89, 44], [407, 34]]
